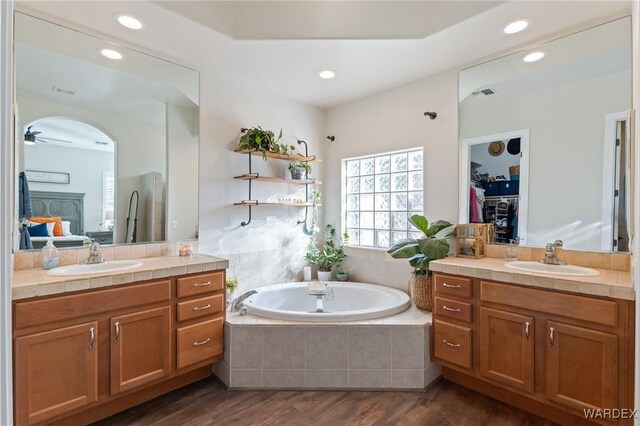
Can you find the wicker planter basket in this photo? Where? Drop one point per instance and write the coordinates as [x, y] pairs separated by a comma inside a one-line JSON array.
[[421, 291]]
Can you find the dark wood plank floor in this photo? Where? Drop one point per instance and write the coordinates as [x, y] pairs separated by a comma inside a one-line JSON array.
[[208, 403]]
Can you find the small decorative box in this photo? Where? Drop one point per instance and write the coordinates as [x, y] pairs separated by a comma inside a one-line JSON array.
[[471, 239]]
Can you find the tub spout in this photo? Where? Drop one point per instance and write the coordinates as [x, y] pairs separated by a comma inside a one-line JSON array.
[[319, 304], [237, 302]]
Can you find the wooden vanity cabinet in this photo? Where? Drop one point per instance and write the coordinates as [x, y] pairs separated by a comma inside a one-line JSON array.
[[552, 353], [80, 357]]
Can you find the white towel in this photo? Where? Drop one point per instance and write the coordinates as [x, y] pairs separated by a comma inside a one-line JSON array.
[[316, 286]]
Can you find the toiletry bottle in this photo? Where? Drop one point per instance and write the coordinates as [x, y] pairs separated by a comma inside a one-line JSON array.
[[50, 256], [510, 253]]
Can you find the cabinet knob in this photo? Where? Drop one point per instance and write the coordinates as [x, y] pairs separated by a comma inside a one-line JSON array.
[[202, 284], [526, 330], [446, 308], [453, 345], [552, 336], [204, 342], [451, 285], [202, 308], [116, 328]]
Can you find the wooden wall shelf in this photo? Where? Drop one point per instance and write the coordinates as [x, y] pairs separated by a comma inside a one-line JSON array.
[[291, 157], [272, 204], [276, 180]]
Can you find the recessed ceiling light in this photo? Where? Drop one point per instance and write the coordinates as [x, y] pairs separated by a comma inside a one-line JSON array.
[[129, 21], [532, 57], [111, 54], [516, 26], [327, 74]]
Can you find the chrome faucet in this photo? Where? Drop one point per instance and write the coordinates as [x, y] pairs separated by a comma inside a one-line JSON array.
[[237, 302], [94, 255], [550, 256]]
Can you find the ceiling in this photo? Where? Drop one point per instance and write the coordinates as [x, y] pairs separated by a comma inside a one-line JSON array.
[[288, 67], [65, 67], [313, 20], [70, 133]]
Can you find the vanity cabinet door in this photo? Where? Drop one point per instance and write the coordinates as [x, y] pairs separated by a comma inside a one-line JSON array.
[[140, 348], [507, 348], [55, 372], [582, 367]]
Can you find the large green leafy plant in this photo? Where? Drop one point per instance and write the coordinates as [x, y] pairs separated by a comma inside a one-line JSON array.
[[331, 254], [421, 251], [258, 139]]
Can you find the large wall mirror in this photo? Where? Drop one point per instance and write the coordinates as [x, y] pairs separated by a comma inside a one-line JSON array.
[[544, 142], [107, 141]]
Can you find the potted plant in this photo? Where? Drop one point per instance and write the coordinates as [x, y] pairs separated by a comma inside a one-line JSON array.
[[325, 257], [420, 252], [231, 285], [258, 139], [300, 170]]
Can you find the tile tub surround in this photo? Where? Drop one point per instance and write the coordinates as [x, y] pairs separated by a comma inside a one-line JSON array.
[[70, 256], [36, 282], [386, 353], [610, 283]]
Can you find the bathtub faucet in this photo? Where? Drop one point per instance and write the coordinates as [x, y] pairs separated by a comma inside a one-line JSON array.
[[237, 302]]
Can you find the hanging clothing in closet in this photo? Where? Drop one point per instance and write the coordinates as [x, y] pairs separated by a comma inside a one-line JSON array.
[[476, 205]]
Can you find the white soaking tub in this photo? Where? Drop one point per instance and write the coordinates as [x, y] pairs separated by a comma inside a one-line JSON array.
[[349, 301]]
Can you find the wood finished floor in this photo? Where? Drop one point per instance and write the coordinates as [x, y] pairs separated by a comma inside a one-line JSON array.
[[208, 403]]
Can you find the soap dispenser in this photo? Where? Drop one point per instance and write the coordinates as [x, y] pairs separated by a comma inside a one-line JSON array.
[[50, 256]]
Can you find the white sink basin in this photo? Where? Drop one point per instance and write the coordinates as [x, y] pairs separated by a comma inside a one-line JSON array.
[[541, 268], [98, 268]]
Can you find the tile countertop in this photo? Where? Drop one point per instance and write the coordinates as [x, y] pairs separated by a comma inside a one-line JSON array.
[[610, 283], [36, 282]]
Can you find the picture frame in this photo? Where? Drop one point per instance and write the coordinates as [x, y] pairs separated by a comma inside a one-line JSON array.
[[42, 176]]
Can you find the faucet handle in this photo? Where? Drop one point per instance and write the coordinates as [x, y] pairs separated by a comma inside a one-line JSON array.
[[558, 243], [95, 247]]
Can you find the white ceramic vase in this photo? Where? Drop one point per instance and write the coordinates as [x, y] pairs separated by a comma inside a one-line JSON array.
[[324, 276]]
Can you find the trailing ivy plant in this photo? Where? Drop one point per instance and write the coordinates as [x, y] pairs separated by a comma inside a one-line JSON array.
[[420, 251], [258, 139]]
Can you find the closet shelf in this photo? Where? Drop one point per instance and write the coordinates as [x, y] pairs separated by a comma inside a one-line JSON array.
[[255, 203], [289, 157], [255, 176], [502, 197]]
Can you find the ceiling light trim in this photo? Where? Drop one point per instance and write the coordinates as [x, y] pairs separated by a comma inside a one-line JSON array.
[[517, 26], [130, 22]]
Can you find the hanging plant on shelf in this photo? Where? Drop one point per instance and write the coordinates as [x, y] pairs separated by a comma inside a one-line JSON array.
[[258, 139]]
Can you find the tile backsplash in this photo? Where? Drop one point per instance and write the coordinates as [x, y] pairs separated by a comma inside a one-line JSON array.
[[33, 259]]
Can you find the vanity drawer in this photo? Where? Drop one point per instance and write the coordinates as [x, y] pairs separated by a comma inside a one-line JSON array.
[[453, 286], [200, 307], [583, 308], [453, 309], [452, 343], [200, 284], [199, 342]]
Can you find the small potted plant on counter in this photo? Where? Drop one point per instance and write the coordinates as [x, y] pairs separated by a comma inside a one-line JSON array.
[[326, 257], [258, 139], [300, 170], [420, 252], [231, 285]]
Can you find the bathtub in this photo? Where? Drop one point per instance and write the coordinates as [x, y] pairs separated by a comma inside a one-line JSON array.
[[350, 301]]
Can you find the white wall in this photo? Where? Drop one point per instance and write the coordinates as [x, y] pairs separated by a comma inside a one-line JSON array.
[[140, 146], [566, 150], [85, 167], [395, 120], [182, 161]]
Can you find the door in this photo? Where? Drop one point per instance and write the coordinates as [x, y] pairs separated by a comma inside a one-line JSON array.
[[582, 367], [507, 348], [140, 348], [55, 372]]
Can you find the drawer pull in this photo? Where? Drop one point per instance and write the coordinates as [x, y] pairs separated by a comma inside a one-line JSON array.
[[446, 308], [204, 342], [116, 327], [453, 345], [451, 285], [526, 330], [202, 308], [202, 284], [92, 338], [552, 336]]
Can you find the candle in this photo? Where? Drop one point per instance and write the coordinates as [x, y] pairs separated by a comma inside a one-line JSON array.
[[307, 273]]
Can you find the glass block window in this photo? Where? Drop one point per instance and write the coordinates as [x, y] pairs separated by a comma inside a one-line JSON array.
[[380, 193]]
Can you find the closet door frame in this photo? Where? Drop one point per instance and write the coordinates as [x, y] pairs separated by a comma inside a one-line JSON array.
[[465, 176]]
